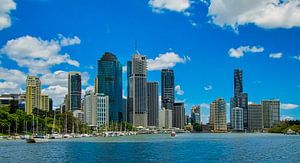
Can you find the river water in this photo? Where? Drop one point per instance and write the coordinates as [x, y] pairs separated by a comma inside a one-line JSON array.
[[158, 148]]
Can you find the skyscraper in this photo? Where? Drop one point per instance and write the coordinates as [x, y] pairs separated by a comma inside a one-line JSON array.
[[74, 91], [271, 113], [240, 99], [167, 91], [167, 88], [89, 107], [109, 81], [137, 90], [153, 104], [217, 117], [196, 115], [255, 117], [238, 82], [33, 94], [237, 117], [179, 113]]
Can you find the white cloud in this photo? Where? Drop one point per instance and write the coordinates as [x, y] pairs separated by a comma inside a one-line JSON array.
[[263, 13], [178, 90], [172, 5], [56, 78], [297, 57], [36, 54], [61, 78], [208, 88], [288, 106], [240, 52], [204, 105], [57, 93], [286, 117], [124, 69], [167, 60], [88, 88], [13, 80], [65, 41], [5, 8], [275, 55]]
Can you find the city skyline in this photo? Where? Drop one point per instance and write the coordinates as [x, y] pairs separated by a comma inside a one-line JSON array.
[[203, 63]]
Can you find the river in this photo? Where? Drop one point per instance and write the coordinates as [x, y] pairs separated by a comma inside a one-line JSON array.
[[158, 148]]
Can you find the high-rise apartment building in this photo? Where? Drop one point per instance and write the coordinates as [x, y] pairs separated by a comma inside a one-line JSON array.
[[74, 91], [102, 110], [33, 94], [255, 117], [237, 117], [153, 103], [89, 107], [271, 113], [217, 117], [137, 90], [165, 118], [109, 82], [45, 102], [179, 113]]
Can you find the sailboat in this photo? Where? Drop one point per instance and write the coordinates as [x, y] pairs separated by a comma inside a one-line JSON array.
[[55, 135], [35, 138]]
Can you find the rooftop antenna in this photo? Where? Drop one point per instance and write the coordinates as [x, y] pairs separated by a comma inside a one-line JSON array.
[[135, 47]]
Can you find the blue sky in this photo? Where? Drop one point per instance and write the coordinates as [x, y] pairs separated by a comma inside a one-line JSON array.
[[203, 41]]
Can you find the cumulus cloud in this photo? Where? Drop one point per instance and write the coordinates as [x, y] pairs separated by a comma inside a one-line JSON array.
[[275, 55], [297, 57], [242, 50], [57, 93], [204, 105], [171, 5], [61, 78], [65, 41], [12, 80], [208, 88], [288, 106], [286, 118], [36, 54], [6, 6], [178, 90], [167, 60], [57, 84], [263, 13]]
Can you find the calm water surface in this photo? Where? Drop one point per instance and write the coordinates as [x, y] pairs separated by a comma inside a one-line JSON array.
[[159, 148]]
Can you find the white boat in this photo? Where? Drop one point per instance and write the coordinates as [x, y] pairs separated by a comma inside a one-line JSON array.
[[56, 136], [173, 133]]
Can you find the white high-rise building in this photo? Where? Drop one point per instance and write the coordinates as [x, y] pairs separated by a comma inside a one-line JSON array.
[[89, 107], [165, 118], [237, 119], [102, 110]]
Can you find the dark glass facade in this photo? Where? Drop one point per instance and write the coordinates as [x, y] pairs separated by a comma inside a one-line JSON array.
[[74, 91], [153, 103], [110, 83], [167, 88]]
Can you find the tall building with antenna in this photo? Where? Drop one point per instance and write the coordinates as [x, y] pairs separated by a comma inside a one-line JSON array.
[[137, 90]]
